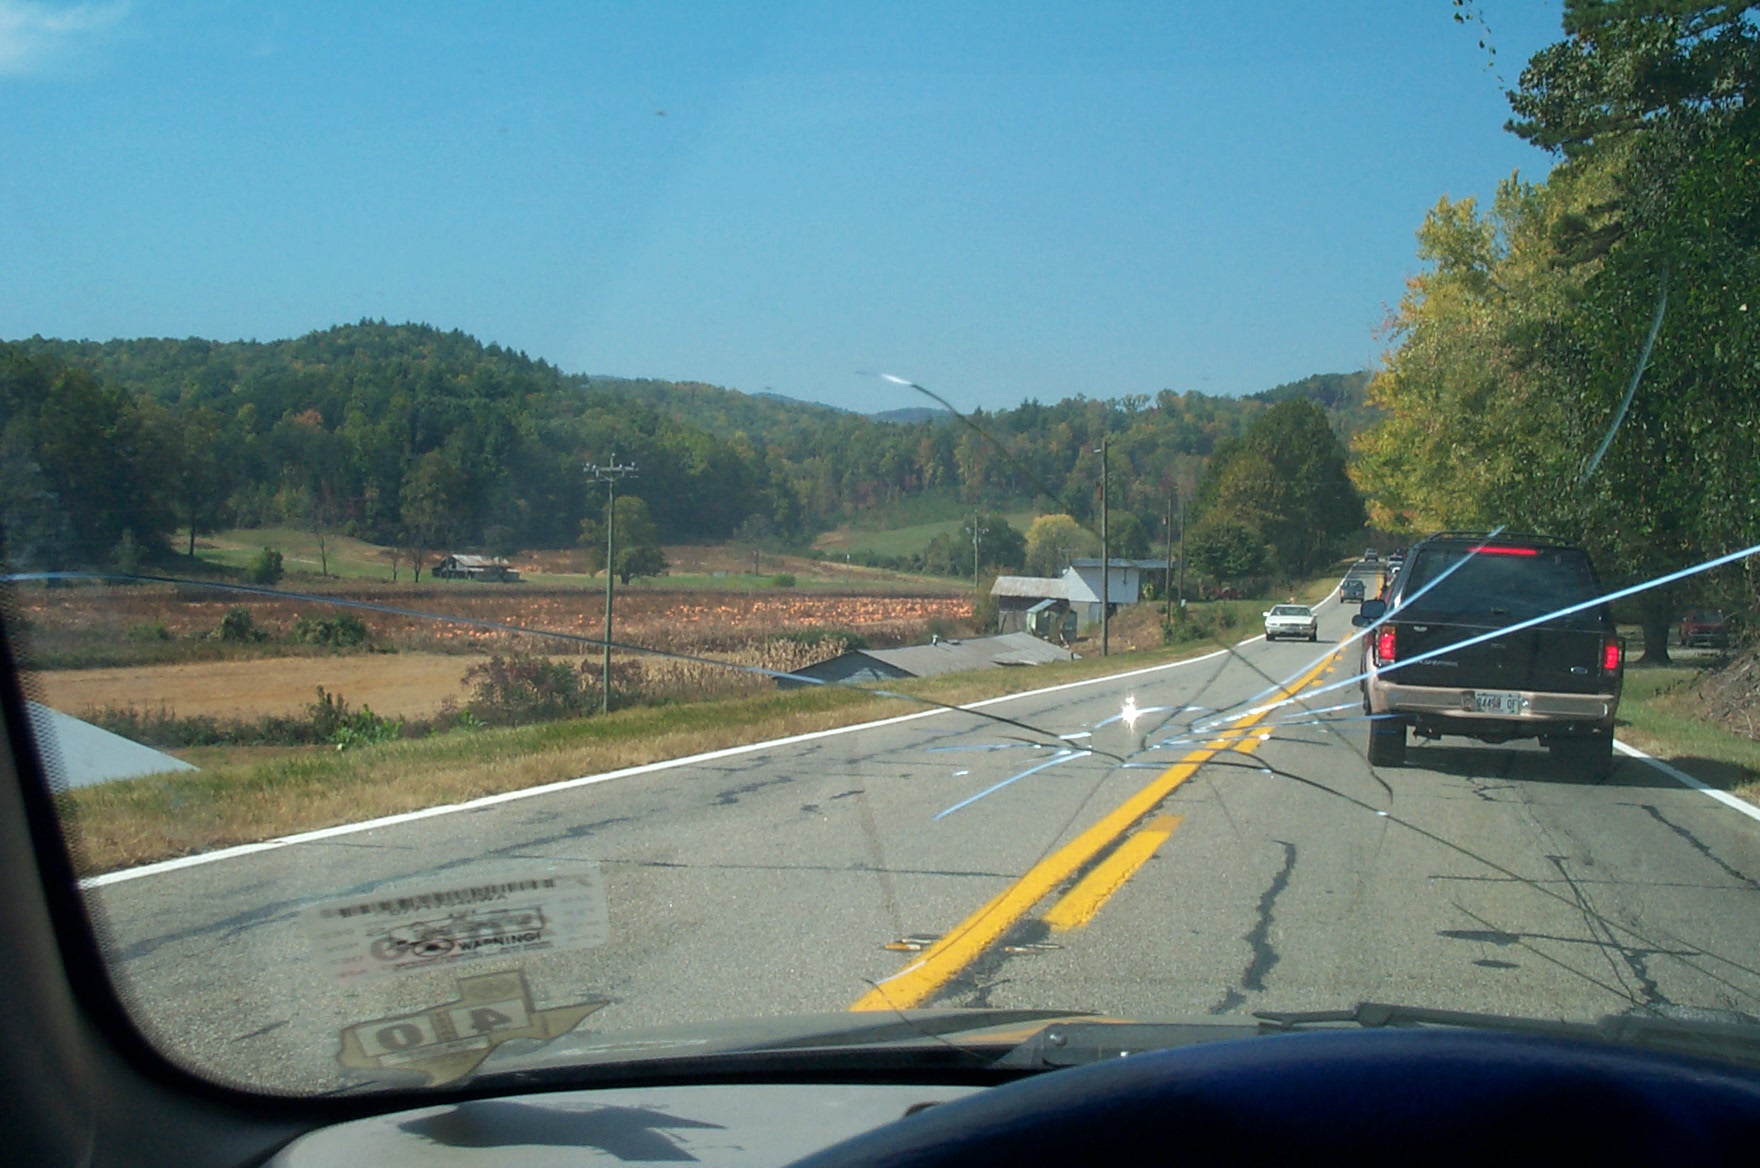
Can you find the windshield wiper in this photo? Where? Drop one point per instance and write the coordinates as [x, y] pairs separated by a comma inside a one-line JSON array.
[[1078, 1043], [1730, 1041]]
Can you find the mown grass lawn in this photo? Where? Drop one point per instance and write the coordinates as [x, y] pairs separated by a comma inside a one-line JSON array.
[[904, 541]]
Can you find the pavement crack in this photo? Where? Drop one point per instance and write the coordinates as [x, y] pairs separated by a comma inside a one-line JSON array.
[[731, 795], [1701, 847], [1265, 956], [1636, 961]]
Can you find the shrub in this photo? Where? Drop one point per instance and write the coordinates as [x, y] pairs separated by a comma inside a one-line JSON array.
[[986, 614], [237, 626], [325, 721], [524, 688], [335, 723], [266, 568], [642, 560], [782, 580], [342, 632], [1190, 624], [1226, 549]]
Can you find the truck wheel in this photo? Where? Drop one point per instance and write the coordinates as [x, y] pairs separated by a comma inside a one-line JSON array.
[[1387, 747], [1590, 758]]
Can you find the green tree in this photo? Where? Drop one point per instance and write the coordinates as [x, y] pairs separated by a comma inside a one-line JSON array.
[[644, 560], [1225, 548], [430, 498], [1053, 540], [635, 531], [86, 464], [947, 555], [1001, 545], [756, 536], [204, 477], [1286, 479], [1127, 535], [1519, 348], [266, 568]]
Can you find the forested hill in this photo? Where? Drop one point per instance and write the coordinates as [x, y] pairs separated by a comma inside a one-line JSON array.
[[405, 433], [395, 432], [841, 463], [1344, 397]]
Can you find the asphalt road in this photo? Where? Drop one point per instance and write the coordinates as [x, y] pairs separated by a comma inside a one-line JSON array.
[[772, 882]]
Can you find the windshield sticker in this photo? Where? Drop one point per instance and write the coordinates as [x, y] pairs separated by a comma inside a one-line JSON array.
[[448, 1041], [409, 929]]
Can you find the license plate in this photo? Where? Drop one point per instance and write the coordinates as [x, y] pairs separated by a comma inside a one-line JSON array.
[[1497, 701]]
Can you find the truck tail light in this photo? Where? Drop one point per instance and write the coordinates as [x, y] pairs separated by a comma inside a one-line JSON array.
[[1610, 656], [1384, 650]]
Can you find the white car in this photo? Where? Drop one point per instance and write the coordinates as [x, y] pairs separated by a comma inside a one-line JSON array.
[[1295, 621]]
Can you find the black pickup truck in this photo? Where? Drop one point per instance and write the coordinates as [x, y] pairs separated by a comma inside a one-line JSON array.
[[1558, 681]]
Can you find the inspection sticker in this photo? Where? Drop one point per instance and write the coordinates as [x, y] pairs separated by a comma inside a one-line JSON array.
[[407, 928]]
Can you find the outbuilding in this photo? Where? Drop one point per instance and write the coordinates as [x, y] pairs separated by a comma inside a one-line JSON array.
[[939, 656], [459, 566]]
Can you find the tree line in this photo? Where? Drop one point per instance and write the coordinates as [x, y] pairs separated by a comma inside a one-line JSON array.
[[427, 441], [403, 435], [1581, 356]]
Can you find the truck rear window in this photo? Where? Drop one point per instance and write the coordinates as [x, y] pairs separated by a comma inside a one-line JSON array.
[[1504, 587]]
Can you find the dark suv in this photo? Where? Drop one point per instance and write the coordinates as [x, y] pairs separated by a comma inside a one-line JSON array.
[[1558, 681]]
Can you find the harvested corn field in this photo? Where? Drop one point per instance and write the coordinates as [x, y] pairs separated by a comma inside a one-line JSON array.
[[187, 652]]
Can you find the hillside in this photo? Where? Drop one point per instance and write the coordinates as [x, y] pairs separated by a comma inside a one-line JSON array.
[[1344, 397], [401, 434], [408, 434]]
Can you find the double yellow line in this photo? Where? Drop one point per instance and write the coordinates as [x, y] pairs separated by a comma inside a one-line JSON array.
[[965, 942]]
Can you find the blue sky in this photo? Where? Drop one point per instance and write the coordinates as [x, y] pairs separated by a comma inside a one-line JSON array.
[[999, 200]]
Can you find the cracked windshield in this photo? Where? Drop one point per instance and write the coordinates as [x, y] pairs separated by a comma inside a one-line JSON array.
[[542, 541]]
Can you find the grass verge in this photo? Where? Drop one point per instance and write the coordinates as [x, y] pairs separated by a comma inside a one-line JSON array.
[[1657, 715], [247, 797]]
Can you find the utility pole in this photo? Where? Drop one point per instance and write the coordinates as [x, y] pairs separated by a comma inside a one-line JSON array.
[[609, 474], [1182, 551], [1167, 578], [976, 535], [1105, 559]]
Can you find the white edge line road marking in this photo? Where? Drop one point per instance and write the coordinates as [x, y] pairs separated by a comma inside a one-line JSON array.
[[1686, 780], [306, 837]]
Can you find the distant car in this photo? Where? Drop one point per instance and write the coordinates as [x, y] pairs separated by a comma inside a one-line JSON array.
[[1292, 621], [1370, 555], [1704, 628], [1351, 590]]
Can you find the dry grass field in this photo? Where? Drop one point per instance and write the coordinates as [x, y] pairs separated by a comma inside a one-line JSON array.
[[153, 648], [397, 685]]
